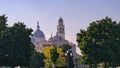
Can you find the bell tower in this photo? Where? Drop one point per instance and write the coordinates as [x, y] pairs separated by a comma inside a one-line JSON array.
[[61, 28]]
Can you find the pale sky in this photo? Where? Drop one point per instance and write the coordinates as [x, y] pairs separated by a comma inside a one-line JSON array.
[[77, 14]]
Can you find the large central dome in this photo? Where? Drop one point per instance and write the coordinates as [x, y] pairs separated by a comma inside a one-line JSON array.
[[39, 33], [38, 37]]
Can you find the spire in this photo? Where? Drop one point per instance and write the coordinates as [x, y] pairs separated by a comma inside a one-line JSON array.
[[57, 33], [51, 35], [61, 28], [38, 25], [60, 19]]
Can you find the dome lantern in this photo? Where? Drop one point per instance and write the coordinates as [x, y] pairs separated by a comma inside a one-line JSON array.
[[38, 25]]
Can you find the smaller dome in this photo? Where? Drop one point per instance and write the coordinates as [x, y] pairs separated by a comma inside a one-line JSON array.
[[50, 39], [57, 37]]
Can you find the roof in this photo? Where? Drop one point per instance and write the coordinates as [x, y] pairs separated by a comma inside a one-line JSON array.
[[39, 33], [57, 37]]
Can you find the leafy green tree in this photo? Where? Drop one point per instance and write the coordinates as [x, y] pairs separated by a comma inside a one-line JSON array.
[[22, 43], [37, 60], [78, 60], [16, 48], [100, 42], [3, 47], [54, 54], [3, 20], [61, 61], [65, 47]]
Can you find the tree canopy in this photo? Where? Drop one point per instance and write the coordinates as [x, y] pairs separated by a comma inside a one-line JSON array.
[[3, 20], [65, 47], [54, 54], [37, 60], [100, 42], [61, 61], [16, 47]]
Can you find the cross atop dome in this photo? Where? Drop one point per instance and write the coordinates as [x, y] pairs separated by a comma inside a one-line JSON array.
[[38, 25]]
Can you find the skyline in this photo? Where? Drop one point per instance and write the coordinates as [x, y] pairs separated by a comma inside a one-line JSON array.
[[77, 14]]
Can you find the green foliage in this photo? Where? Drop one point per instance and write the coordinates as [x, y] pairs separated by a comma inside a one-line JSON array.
[[46, 52], [100, 42], [23, 48], [37, 60], [16, 48], [61, 61], [78, 60], [65, 47], [54, 54], [3, 20]]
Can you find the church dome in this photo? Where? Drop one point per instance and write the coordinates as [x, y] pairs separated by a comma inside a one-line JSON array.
[[38, 37], [57, 37], [39, 33], [50, 39]]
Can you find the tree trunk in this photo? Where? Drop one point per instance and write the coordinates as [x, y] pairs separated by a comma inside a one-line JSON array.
[[95, 65], [105, 65], [12, 66], [90, 66]]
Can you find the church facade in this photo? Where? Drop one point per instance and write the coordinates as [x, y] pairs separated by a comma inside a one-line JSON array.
[[39, 40]]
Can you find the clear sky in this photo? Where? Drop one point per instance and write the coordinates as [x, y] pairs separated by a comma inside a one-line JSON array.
[[77, 14]]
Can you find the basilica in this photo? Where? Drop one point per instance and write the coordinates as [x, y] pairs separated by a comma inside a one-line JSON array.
[[39, 40]]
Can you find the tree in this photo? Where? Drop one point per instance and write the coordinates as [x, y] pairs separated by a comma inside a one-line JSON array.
[[78, 60], [22, 43], [46, 52], [65, 47], [61, 61], [3, 20], [16, 47], [54, 54], [3, 27], [99, 43], [37, 60]]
